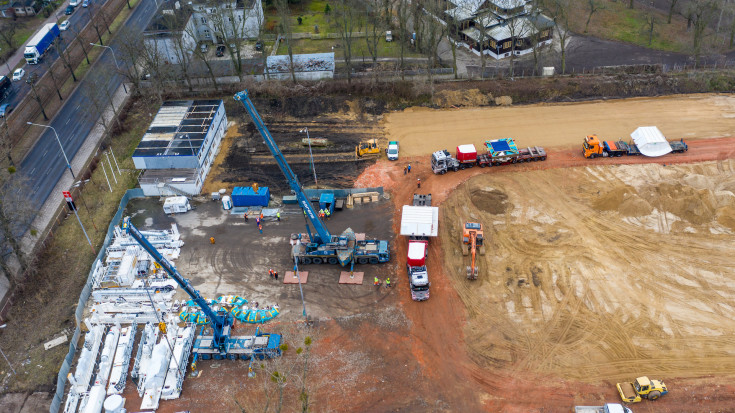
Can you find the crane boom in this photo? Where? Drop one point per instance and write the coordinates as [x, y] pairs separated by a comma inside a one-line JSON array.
[[221, 323], [322, 233]]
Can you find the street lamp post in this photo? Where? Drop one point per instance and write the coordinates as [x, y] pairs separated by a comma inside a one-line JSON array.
[[68, 165], [311, 156], [113, 58]]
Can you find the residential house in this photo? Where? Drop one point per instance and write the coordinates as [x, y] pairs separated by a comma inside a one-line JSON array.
[[23, 8], [181, 26], [498, 28]]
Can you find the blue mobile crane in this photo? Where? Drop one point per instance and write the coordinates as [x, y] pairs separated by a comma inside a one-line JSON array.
[[219, 345], [321, 246]]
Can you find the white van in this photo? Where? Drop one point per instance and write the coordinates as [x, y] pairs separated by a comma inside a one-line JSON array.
[[74, 3]]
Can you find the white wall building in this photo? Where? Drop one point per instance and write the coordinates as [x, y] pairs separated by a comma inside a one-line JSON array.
[[180, 26], [179, 147]]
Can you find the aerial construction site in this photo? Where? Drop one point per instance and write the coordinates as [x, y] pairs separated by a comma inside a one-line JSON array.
[[495, 265]]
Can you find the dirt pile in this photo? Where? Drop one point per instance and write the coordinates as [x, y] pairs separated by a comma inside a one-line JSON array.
[[489, 200], [599, 286], [451, 98], [625, 200]]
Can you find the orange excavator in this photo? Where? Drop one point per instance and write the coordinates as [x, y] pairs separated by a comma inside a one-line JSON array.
[[472, 241]]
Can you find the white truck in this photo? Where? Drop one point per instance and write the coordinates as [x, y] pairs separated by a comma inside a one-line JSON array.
[[392, 151], [607, 408], [419, 222]]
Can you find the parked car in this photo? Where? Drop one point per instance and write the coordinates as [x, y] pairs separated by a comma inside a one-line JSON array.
[[18, 74], [69, 10], [220, 51], [74, 3], [5, 110], [388, 36], [85, 3], [259, 45], [64, 26], [203, 47]]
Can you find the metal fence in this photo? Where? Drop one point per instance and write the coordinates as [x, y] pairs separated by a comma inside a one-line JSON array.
[[83, 297]]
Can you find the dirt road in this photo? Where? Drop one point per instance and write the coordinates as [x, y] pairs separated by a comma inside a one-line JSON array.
[[422, 131]]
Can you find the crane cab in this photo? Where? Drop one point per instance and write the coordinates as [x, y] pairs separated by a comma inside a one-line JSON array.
[[592, 147]]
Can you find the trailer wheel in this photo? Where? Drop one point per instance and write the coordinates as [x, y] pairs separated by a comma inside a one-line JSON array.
[[316, 260], [373, 260], [332, 260], [482, 165], [654, 395], [362, 260], [306, 260]]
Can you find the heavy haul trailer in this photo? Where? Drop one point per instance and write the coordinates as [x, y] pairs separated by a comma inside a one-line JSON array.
[[593, 147], [320, 246], [499, 152], [504, 151]]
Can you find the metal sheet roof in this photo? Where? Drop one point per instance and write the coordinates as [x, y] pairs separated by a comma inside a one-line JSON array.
[[179, 128]]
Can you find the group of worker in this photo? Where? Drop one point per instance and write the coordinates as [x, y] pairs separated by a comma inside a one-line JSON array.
[[324, 213], [273, 274], [377, 282]]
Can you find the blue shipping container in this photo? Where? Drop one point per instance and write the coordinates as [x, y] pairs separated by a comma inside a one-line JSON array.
[[326, 202], [245, 196]]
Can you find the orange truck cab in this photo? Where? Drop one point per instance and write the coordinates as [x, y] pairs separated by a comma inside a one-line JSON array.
[[592, 147]]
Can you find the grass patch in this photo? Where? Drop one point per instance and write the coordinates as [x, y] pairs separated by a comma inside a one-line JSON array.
[[312, 14], [617, 22], [359, 48], [46, 306]]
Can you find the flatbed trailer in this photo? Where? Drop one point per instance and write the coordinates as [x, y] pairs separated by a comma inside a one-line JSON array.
[[529, 154], [260, 346], [593, 147]]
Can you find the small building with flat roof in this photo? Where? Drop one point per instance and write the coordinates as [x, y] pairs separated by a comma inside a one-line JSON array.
[[179, 147]]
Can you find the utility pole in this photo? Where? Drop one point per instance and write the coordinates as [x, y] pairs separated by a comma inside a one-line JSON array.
[[70, 202], [311, 156]]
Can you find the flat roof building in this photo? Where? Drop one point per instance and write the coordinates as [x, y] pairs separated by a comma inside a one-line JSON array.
[[179, 146]]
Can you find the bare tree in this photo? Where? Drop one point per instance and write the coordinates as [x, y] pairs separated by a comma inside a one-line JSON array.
[[402, 11], [64, 56], [230, 26], [702, 12], [651, 20], [50, 71], [153, 63], [286, 30], [559, 10], [97, 22], [16, 214], [593, 7], [8, 28], [432, 35], [347, 20], [32, 78], [374, 28], [672, 4], [260, 21], [131, 51]]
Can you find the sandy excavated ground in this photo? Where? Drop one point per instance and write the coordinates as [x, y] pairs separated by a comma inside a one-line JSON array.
[[422, 131], [600, 273]]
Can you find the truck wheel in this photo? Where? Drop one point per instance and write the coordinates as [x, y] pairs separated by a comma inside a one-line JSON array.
[[316, 260], [482, 165], [332, 260], [455, 169], [654, 395], [362, 260], [373, 260], [443, 172], [593, 156], [306, 260]]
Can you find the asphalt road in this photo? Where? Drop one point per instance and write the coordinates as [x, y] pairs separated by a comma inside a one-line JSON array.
[[78, 19], [45, 164]]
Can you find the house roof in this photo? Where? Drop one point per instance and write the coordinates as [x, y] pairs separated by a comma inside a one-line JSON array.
[[171, 16], [518, 27], [469, 6], [23, 3], [508, 4]]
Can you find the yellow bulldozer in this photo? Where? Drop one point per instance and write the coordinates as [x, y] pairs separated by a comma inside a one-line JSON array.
[[641, 388], [367, 148]]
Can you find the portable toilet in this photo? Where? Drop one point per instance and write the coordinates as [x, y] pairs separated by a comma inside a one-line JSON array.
[[176, 205], [326, 202], [226, 202]]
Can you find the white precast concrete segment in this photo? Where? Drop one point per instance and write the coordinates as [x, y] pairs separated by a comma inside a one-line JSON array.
[[650, 141], [419, 221]]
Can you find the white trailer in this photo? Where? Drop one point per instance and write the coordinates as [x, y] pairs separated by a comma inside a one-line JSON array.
[[419, 221], [119, 373], [176, 205], [177, 367]]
